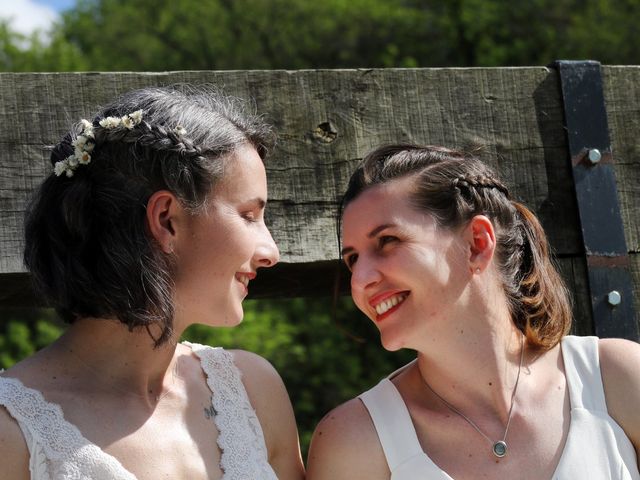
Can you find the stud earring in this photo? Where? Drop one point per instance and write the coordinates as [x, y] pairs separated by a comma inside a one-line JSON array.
[[478, 270]]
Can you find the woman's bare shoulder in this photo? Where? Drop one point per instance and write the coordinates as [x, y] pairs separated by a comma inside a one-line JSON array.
[[619, 362], [13, 449], [261, 380], [270, 400], [345, 445]]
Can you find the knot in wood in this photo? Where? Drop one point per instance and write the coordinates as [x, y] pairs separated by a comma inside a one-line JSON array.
[[326, 132]]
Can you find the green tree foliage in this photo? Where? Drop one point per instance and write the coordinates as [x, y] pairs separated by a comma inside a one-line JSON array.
[[153, 35], [20, 53], [24, 331]]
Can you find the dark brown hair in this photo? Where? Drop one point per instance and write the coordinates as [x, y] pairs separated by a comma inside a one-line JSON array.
[[453, 187], [86, 242]]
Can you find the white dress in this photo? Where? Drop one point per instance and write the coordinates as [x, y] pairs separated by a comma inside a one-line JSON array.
[[59, 451], [596, 447]]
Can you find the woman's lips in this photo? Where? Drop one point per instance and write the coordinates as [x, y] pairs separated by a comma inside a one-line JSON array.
[[386, 303]]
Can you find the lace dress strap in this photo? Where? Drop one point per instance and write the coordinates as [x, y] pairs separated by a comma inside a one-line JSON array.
[[68, 454], [240, 437]]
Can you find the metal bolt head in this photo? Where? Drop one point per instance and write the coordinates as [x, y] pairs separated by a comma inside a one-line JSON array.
[[614, 298], [594, 155]]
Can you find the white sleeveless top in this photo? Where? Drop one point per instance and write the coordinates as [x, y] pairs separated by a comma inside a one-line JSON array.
[[596, 447], [59, 451]]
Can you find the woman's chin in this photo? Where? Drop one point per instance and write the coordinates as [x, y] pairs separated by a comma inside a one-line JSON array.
[[391, 343], [234, 318]]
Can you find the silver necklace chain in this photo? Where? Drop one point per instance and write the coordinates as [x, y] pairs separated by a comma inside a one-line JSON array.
[[499, 447]]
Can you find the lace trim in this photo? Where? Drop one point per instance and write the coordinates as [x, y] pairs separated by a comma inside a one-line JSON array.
[[240, 438], [69, 454]]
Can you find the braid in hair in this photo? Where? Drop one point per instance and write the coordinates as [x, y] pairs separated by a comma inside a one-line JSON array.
[[86, 242], [453, 187], [466, 182], [155, 137]]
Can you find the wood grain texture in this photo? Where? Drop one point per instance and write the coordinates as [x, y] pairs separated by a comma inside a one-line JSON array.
[[622, 99], [635, 274], [326, 121]]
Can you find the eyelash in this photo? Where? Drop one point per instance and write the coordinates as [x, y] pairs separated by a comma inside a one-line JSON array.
[[350, 260], [382, 241], [385, 239], [249, 217]]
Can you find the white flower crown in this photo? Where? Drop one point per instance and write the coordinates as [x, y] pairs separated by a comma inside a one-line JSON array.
[[84, 144]]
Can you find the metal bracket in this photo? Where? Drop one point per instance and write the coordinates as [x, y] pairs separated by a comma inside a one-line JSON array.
[[610, 283]]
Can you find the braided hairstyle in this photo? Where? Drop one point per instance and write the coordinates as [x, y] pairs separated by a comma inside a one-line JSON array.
[[87, 245], [453, 187]]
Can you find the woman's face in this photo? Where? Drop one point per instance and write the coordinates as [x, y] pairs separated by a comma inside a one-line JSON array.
[[407, 275], [223, 248]]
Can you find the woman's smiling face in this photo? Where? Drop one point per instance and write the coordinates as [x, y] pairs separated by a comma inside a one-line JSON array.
[[224, 247], [406, 273]]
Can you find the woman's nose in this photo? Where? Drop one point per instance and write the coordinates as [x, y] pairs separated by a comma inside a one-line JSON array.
[[364, 274], [267, 253]]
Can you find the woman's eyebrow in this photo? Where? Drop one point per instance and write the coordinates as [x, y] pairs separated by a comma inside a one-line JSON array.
[[258, 201], [371, 234]]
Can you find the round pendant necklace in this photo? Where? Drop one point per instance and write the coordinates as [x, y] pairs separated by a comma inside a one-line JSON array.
[[498, 447]]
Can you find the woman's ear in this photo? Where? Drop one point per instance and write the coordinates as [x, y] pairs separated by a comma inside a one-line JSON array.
[[163, 209], [481, 238]]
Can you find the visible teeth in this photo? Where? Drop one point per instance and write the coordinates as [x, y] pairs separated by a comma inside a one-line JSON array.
[[384, 306]]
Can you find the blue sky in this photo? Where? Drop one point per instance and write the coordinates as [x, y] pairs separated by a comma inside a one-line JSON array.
[[27, 16], [57, 5]]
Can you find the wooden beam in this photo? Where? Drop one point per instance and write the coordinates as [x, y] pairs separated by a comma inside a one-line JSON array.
[[326, 121]]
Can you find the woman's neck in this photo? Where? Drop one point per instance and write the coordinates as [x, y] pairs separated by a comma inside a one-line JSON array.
[[104, 354], [474, 362]]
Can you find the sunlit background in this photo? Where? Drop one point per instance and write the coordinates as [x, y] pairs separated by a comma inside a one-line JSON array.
[[323, 358]]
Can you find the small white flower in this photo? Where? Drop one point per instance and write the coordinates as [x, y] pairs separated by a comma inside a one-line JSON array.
[[86, 124], [180, 130], [110, 122], [89, 146], [88, 132], [136, 117], [72, 161], [84, 158], [128, 122], [79, 142], [65, 166], [60, 167]]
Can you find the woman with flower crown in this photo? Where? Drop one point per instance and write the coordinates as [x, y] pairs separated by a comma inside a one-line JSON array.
[[444, 262], [151, 220]]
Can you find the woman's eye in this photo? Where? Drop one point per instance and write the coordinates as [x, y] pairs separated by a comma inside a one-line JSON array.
[[350, 260], [249, 217], [386, 239]]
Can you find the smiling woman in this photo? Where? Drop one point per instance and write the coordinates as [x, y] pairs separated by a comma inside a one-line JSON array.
[[152, 220], [445, 263]]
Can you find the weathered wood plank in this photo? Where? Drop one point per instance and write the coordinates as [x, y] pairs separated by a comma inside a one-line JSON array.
[[635, 274], [622, 99], [574, 273], [515, 112], [326, 121]]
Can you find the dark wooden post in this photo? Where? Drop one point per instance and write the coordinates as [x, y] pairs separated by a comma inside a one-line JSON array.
[[605, 248]]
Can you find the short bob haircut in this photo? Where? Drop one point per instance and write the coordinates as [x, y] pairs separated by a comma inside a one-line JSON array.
[[87, 244]]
